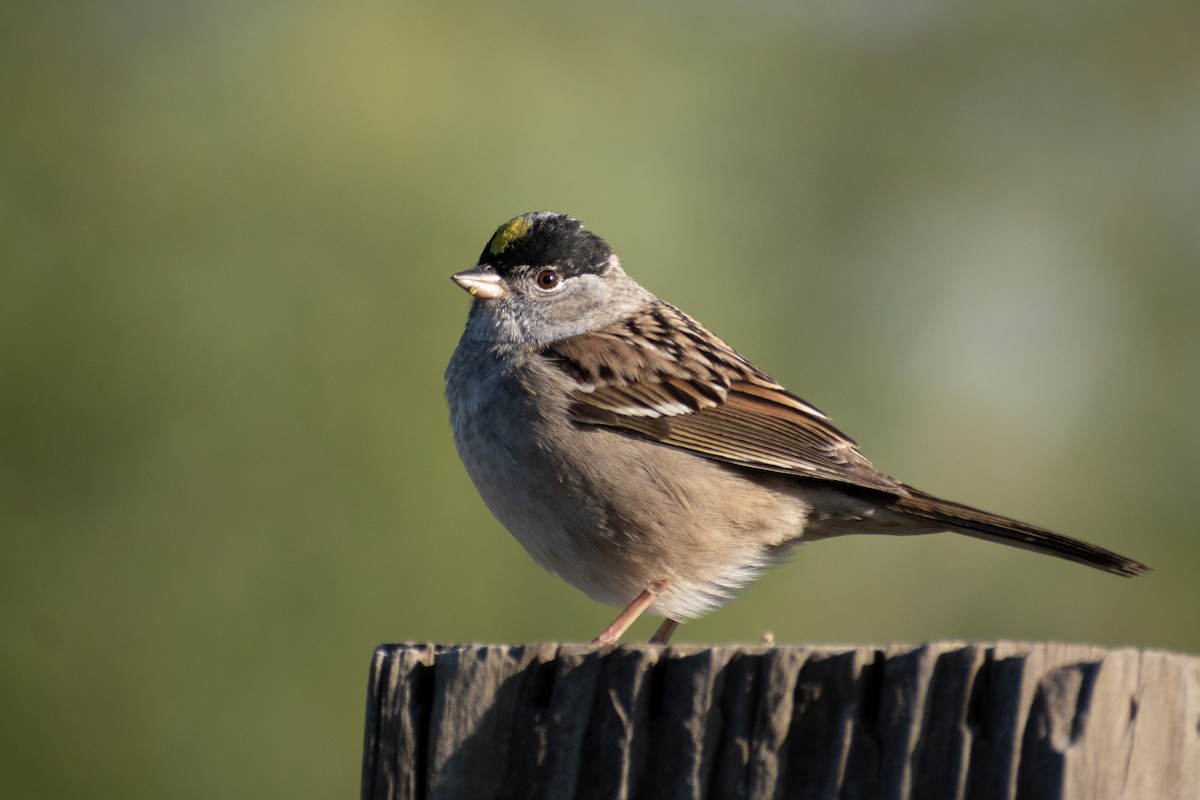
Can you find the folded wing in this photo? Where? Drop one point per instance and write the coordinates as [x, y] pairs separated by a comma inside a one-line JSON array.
[[662, 376]]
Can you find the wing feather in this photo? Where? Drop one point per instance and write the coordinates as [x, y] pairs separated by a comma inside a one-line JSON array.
[[662, 376]]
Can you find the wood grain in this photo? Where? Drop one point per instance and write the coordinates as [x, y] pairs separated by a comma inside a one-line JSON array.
[[945, 720]]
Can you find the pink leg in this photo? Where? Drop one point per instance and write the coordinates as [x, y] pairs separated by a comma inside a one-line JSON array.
[[634, 610], [664, 631]]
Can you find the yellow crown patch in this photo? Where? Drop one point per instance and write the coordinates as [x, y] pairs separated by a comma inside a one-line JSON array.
[[508, 233]]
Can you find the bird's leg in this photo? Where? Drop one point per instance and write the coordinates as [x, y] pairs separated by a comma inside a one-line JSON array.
[[634, 610], [664, 631]]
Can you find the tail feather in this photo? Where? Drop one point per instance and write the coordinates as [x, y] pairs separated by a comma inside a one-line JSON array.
[[994, 528]]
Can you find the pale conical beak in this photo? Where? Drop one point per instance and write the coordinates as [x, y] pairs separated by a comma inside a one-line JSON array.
[[481, 282]]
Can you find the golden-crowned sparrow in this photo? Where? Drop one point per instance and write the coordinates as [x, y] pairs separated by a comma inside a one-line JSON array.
[[639, 457]]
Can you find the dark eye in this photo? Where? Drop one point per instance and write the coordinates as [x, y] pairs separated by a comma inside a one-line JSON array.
[[547, 279]]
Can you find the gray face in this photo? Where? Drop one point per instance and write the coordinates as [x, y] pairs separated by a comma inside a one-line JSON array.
[[542, 278], [537, 305]]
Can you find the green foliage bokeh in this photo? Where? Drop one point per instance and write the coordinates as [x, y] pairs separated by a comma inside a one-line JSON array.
[[967, 231]]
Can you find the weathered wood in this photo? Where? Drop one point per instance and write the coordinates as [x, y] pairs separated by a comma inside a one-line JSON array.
[[944, 720]]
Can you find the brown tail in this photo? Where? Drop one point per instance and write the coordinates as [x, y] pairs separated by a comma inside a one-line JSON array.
[[994, 528]]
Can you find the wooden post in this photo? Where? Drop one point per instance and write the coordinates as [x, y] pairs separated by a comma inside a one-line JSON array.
[[945, 720]]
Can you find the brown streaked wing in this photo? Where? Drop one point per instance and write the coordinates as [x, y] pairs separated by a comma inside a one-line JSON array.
[[661, 375]]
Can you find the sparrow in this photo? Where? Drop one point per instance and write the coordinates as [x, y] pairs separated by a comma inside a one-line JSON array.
[[639, 457]]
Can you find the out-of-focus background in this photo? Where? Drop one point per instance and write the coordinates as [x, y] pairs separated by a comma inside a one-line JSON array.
[[970, 232]]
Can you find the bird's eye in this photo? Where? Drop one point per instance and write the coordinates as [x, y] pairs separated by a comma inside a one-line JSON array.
[[547, 279]]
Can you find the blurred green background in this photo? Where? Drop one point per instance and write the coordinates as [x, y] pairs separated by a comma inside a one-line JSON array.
[[970, 232]]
